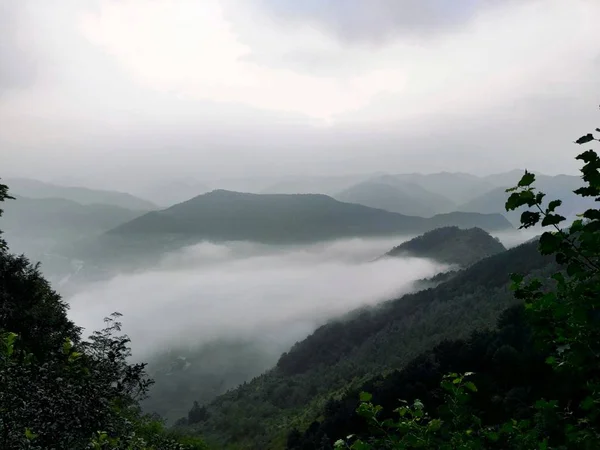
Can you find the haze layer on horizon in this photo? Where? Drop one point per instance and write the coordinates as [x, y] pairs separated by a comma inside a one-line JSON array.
[[118, 94]]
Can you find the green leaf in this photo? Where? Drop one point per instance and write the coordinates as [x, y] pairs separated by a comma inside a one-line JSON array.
[[553, 205], [552, 219], [365, 397], [592, 214], [585, 139], [30, 435], [587, 403], [518, 199], [435, 425], [550, 360], [360, 445], [339, 444], [529, 219], [549, 243], [471, 386], [527, 179]]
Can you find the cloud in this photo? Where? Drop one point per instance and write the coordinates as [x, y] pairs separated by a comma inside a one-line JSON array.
[[230, 88], [376, 21], [245, 291], [17, 64]]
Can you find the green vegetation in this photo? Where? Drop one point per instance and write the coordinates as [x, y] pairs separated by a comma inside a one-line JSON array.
[[345, 353], [451, 245], [532, 383], [282, 218], [58, 390]]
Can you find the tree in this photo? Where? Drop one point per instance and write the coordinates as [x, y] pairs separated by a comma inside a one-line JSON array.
[[59, 391], [3, 196]]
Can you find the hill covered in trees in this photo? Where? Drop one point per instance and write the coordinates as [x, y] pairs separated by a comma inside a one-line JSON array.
[[227, 215], [451, 245], [265, 218], [366, 343]]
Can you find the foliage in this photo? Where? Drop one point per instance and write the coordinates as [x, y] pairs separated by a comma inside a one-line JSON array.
[[3, 196], [566, 328], [59, 391]]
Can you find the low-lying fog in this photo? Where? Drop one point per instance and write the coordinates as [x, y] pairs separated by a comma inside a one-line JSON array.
[[242, 290], [231, 309]]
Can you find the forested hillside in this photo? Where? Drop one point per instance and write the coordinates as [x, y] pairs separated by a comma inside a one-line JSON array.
[[366, 343], [531, 383], [59, 390], [265, 218], [451, 245]]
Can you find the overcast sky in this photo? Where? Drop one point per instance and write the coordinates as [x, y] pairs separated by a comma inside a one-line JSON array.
[[111, 91]]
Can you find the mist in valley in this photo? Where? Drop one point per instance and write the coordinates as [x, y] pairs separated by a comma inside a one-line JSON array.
[[212, 316]]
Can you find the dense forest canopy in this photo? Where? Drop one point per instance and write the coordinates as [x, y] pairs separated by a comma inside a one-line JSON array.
[[451, 245]]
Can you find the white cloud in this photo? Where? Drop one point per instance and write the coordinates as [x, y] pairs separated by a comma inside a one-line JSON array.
[[189, 48], [210, 292]]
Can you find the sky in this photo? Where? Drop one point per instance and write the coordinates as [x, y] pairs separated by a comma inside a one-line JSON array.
[[123, 93]]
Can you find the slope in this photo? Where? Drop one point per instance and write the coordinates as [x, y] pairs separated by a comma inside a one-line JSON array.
[[361, 345], [230, 215], [267, 218], [37, 225], [559, 186], [39, 189], [458, 187], [404, 198], [451, 245]]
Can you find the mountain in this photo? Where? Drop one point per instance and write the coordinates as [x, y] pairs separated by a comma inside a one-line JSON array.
[[170, 193], [364, 344], [451, 245], [457, 187], [559, 186], [227, 215], [328, 185], [36, 225], [39, 190], [401, 197]]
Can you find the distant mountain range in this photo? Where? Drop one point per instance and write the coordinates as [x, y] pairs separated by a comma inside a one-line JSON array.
[[228, 215], [38, 190], [396, 196], [555, 187], [37, 225], [267, 218], [431, 194]]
